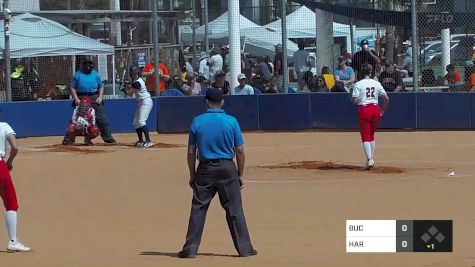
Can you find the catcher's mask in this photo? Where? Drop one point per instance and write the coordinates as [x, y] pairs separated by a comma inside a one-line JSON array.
[[84, 105], [87, 66]]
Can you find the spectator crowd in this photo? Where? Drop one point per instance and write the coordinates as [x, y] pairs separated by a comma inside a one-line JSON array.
[[265, 75]]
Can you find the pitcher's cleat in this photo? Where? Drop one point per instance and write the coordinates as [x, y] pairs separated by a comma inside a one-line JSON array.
[[369, 164], [17, 247]]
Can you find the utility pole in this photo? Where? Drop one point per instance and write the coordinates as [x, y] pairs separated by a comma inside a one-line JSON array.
[[156, 61], [6, 53]]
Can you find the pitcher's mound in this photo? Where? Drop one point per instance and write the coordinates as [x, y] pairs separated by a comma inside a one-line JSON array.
[[333, 166]]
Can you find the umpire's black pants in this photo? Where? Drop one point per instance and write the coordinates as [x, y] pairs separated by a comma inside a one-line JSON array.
[[101, 119], [221, 177]]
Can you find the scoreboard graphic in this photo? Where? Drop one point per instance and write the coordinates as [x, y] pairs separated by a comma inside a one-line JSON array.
[[399, 236]]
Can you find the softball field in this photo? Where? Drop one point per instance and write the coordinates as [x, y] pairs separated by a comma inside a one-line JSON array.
[[121, 206]]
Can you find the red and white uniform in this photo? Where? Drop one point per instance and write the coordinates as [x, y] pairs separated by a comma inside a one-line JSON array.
[[369, 113], [7, 190], [83, 125]]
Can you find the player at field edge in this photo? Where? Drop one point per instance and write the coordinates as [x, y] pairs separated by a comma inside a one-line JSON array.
[[365, 94], [7, 189]]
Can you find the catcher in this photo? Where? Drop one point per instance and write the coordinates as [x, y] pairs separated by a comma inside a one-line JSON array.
[[83, 122]]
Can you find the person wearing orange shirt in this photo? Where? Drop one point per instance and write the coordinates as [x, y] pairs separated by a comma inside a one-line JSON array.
[[148, 71], [452, 77]]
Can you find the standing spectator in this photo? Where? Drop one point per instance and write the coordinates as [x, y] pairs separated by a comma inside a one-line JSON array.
[[364, 57], [269, 64], [226, 58], [215, 62], [344, 76], [203, 70], [263, 70], [246, 67], [87, 82], [452, 77], [189, 66], [406, 67], [329, 78], [216, 138], [191, 87], [279, 68], [220, 83], [301, 60], [148, 73], [391, 79], [242, 88]]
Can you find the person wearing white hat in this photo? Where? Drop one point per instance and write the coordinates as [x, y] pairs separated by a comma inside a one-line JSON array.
[[243, 88]]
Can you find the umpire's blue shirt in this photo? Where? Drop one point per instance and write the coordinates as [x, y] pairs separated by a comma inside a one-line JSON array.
[[215, 134], [86, 83]]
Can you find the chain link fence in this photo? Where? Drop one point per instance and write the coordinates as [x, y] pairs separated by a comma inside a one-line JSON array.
[[324, 38]]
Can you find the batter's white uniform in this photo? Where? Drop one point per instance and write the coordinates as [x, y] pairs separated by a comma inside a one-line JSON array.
[[144, 105]]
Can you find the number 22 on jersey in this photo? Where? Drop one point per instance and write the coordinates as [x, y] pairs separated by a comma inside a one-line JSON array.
[[370, 92]]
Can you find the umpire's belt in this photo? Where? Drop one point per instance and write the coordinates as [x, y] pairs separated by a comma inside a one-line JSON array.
[[214, 161], [86, 94]]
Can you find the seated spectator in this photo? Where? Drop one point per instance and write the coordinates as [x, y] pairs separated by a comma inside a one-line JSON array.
[[390, 79], [174, 83], [269, 63], [329, 78], [309, 82], [49, 90], [378, 69], [428, 78], [220, 83], [191, 87], [271, 87], [321, 86], [344, 76], [243, 88], [470, 85], [452, 77], [468, 71], [371, 75]]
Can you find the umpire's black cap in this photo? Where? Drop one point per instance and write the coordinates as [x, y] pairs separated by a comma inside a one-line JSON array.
[[214, 95]]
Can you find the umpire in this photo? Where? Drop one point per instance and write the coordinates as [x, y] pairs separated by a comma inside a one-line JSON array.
[[217, 137], [87, 82]]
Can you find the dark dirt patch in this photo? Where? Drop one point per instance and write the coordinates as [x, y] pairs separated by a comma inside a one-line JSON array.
[[72, 149], [333, 166]]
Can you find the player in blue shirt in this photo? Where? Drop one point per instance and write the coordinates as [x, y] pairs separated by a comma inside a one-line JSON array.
[[216, 138]]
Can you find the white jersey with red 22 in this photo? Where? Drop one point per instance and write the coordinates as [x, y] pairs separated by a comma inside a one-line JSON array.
[[368, 91]]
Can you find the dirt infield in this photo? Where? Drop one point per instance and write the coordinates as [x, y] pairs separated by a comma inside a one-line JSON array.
[[116, 205]]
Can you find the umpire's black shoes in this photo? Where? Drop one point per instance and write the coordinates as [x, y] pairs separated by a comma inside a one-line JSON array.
[[109, 140], [253, 253], [184, 255]]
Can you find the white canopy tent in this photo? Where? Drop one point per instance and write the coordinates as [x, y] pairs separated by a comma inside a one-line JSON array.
[[257, 39], [34, 36], [302, 24], [217, 27]]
